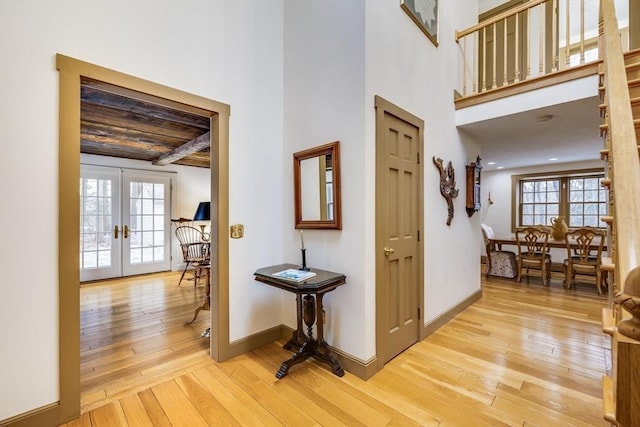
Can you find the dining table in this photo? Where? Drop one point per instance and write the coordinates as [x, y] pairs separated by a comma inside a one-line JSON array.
[[551, 243], [511, 240]]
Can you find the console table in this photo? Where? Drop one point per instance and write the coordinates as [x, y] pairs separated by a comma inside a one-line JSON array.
[[309, 307]]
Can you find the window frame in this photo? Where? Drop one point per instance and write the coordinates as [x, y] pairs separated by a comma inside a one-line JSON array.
[[563, 176]]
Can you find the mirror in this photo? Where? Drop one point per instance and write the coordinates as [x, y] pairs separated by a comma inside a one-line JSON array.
[[316, 181]]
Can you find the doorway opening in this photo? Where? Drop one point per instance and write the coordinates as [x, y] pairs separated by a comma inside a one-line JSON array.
[[71, 74]]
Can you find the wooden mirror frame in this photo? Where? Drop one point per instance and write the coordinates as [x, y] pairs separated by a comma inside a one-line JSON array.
[[333, 148]]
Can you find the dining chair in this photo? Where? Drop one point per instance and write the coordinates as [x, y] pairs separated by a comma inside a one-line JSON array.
[[533, 252], [584, 255], [499, 263], [195, 250]]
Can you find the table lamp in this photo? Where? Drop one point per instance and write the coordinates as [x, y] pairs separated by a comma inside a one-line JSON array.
[[203, 213]]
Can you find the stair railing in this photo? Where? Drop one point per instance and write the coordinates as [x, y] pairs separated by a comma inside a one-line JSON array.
[[535, 39], [623, 150]]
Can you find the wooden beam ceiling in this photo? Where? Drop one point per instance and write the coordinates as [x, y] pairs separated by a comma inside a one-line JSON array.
[[121, 123]]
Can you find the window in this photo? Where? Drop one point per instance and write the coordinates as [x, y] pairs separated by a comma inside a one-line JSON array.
[[540, 201], [587, 202], [580, 199]]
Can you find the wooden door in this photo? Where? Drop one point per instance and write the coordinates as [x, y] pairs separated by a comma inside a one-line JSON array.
[[399, 263]]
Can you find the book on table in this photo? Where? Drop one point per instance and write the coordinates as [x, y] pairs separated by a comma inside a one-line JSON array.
[[295, 275]]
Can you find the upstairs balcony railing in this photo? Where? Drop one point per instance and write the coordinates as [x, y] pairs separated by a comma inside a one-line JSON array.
[[530, 42]]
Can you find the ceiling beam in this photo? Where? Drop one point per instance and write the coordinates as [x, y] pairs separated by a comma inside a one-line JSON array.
[[195, 145], [90, 95], [128, 93]]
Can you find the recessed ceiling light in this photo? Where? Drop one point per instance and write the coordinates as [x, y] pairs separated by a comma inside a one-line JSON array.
[[491, 163], [553, 159], [500, 167]]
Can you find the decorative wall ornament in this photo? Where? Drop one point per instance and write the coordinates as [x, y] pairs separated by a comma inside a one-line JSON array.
[[473, 187], [447, 185], [425, 14]]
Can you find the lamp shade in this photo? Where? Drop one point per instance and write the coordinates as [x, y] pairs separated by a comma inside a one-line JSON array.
[[203, 213]]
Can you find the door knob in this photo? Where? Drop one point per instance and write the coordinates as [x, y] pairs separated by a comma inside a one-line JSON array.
[[126, 231], [115, 232], [388, 251]]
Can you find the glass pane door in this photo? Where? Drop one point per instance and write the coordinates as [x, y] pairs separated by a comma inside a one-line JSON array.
[[146, 218], [100, 248], [124, 222]]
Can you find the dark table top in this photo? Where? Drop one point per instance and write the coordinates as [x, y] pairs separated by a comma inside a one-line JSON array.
[[323, 281]]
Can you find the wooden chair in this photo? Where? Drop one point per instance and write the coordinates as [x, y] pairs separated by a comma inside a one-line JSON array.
[[499, 263], [533, 252], [195, 250], [586, 258]]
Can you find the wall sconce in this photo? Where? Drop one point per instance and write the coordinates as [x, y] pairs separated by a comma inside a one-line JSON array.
[[203, 213], [489, 200]]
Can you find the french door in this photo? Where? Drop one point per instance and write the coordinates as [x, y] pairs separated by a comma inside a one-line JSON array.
[[124, 222]]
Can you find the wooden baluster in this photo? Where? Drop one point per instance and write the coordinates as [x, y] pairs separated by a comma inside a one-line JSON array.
[[581, 31], [494, 59], [554, 37], [484, 59], [567, 44], [505, 82], [475, 62], [516, 74], [527, 71], [541, 36], [464, 66]]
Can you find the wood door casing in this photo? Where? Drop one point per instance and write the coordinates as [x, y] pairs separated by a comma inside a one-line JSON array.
[[399, 219], [70, 72]]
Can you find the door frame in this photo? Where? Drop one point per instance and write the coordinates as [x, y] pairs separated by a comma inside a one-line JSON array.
[[383, 106], [70, 72]]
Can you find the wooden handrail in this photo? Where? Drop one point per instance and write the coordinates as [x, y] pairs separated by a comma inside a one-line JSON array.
[[624, 150], [498, 18]]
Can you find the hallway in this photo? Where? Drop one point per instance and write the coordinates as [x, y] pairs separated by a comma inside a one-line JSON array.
[[522, 355]]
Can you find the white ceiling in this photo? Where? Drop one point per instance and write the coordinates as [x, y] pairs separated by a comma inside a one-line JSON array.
[[518, 140]]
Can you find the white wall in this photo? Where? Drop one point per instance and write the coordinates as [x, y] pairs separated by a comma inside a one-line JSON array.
[[227, 51], [324, 94], [335, 64], [251, 39], [405, 68]]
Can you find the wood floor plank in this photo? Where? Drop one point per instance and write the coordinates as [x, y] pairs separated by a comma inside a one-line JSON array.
[[265, 395], [153, 408], [522, 355], [316, 405], [83, 421], [134, 411], [108, 416], [234, 398], [213, 412], [179, 409]]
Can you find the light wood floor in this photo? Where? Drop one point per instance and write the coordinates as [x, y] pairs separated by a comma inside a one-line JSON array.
[[523, 355]]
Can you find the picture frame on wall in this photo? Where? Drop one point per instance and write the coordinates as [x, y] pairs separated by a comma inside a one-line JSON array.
[[425, 14]]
